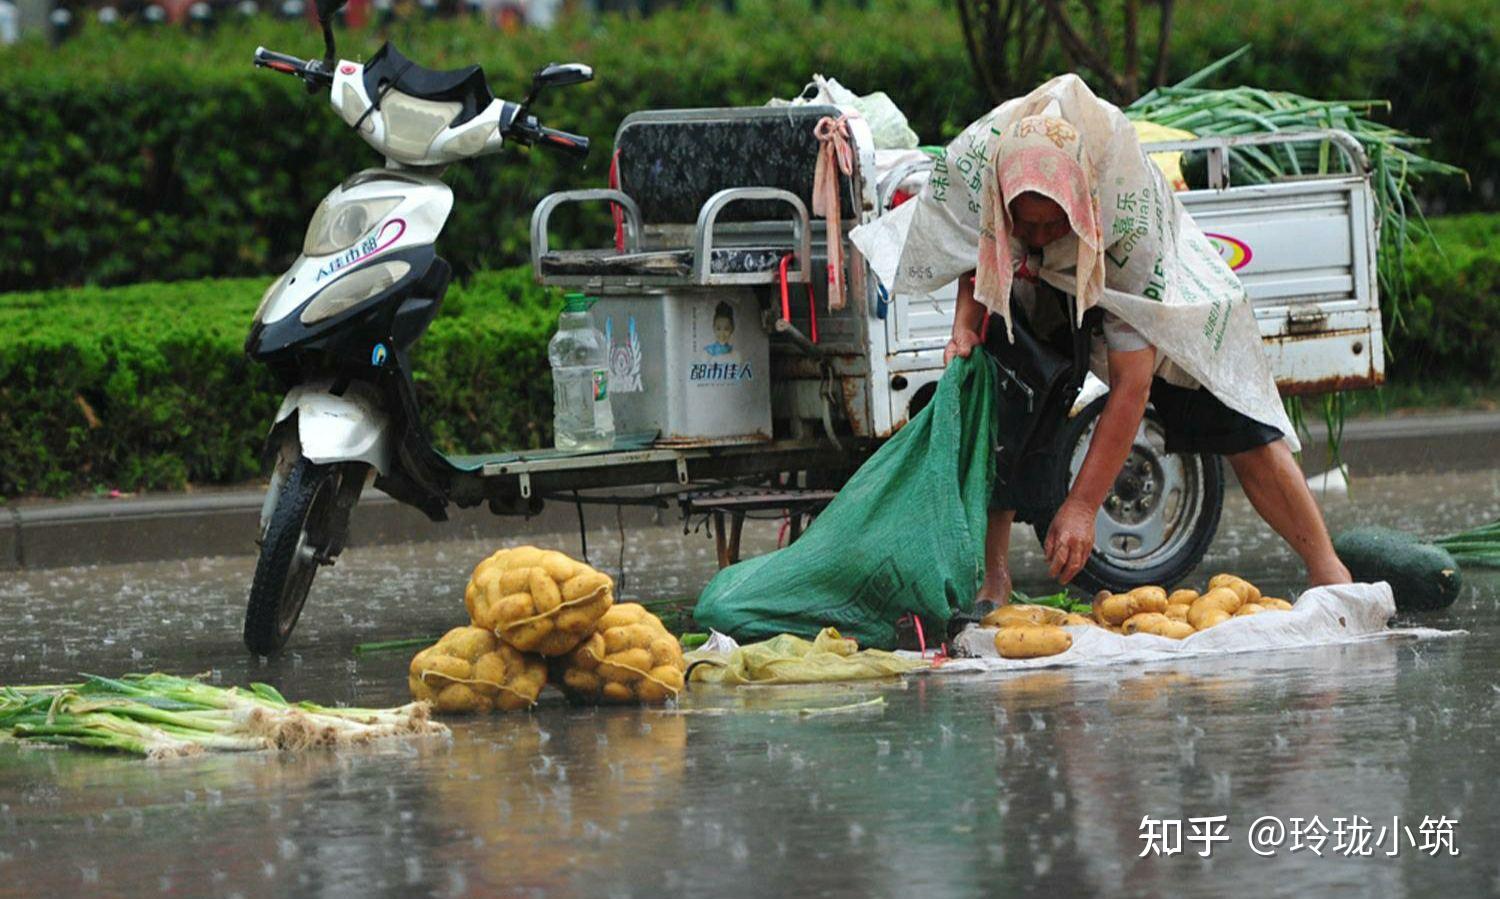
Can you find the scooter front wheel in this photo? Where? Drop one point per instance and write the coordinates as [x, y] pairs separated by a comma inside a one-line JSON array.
[[296, 541]]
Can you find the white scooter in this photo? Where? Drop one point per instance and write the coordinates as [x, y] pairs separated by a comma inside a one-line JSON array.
[[337, 325]]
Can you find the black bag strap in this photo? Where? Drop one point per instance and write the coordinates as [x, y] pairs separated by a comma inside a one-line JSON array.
[[1040, 379]]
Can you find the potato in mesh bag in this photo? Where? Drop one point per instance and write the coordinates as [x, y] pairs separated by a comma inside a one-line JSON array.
[[469, 670], [631, 658], [537, 600]]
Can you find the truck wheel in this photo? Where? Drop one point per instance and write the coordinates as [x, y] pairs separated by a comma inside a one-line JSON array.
[[1159, 519], [296, 541]]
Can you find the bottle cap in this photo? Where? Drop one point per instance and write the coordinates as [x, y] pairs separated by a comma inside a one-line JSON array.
[[577, 302]]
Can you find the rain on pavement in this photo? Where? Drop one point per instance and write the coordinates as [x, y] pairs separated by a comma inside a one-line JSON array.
[[963, 785]]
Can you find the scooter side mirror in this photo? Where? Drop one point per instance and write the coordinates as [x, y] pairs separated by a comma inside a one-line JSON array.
[[328, 8], [561, 74]]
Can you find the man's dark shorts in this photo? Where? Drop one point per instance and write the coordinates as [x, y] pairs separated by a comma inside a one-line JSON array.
[[1195, 421]]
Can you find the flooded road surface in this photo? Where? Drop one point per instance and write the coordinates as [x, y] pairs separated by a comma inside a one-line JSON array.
[[955, 785]]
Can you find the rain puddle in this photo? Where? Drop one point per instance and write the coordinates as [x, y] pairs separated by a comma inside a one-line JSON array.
[[964, 785]]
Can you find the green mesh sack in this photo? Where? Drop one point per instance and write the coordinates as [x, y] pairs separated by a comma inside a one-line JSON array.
[[904, 535]]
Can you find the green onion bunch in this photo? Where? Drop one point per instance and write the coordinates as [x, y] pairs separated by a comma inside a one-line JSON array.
[[160, 716], [1396, 166], [1478, 547], [1060, 600]]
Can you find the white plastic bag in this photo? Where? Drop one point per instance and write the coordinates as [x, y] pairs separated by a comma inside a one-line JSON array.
[[1322, 616], [887, 122]]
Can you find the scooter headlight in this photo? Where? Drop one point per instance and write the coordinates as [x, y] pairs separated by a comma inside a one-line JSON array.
[[265, 299], [337, 225], [353, 289]]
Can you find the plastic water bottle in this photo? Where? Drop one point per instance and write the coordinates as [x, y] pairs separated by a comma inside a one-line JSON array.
[[582, 420]]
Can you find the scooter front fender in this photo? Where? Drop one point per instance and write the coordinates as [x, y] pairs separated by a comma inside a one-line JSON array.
[[352, 427]]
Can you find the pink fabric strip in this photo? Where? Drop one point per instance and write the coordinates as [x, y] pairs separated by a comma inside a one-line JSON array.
[[834, 156]]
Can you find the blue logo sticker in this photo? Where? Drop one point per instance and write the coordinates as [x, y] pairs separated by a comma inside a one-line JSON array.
[[377, 355]]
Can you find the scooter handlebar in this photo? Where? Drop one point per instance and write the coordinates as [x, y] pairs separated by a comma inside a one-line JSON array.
[[575, 145], [311, 71], [526, 130]]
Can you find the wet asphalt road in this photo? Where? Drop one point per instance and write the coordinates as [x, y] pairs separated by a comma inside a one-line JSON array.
[[1031, 783]]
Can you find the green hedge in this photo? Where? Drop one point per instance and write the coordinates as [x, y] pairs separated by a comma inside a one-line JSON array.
[[148, 386], [1449, 329], [159, 368], [155, 155]]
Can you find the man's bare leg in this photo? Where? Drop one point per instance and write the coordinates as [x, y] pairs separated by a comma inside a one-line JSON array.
[[996, 587], [1279, 492]]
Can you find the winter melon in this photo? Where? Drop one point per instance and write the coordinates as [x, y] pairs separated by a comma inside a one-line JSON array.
[[1422, 576]]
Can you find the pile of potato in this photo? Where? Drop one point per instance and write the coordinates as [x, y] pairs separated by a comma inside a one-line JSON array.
[[630, 658], [1028, 631], [468, 670], [528, 604], [537, 600]]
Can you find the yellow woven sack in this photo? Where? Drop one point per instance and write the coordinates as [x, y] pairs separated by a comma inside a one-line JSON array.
[[537, 600]]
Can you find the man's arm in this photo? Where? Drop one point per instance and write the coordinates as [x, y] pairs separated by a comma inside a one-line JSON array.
[[968, 315], [1071, 537]]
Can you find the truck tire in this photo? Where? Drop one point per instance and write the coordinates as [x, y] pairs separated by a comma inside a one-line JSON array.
[[1159, 519], [291, 550]]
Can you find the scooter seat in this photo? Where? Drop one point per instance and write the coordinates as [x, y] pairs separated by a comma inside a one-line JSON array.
[[466, 85], [663, 263]]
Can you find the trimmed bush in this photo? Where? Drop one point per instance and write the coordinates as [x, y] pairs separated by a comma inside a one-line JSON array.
[[1448, 331], [154, 155], [148, 386], [133, 155]]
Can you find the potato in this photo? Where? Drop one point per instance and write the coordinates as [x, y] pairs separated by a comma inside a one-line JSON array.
[[1182, 597], [1213, 617], [450, 667], [1159, 624], [1223, 598], [1176, 630], [1177, 612], [1220, 600], [626, 666], [1075, 618], [1274, 604], [1022, 613], [661, 684], [616, 639], [458, 699], [537, 600], [1113, 609], [545, 594], [1249, 608], [1032, 642], [615, 692], [1148, 599], [1146, 622], [666, 651], [1246, 591]]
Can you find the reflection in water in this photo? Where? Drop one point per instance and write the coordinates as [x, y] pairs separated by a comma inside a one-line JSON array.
[[1031, 782]]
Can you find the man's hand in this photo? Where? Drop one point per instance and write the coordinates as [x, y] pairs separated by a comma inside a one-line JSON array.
[[962, 343], [1071, 537], [1070, 540]]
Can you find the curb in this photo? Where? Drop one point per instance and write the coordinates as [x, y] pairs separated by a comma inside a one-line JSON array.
[[182, 526], [177, 526]]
